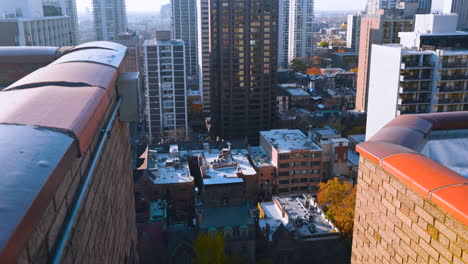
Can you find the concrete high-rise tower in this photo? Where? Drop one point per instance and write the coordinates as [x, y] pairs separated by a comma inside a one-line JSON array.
[[184, 27], [459, 7], [283, 33], [110, 18], [301, 19]]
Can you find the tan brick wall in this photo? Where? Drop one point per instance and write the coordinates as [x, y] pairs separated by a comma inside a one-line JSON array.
[[105, 231], [394, 224]]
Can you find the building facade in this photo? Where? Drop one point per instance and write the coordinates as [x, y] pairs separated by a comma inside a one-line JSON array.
[[283, 33], [301, 19], [36, 23], [134, 44], [298, 160], [166, 97], [184, 27], [244, 60], [110, 18], [204, 49], [459, 7], [353, 32], [381, 28], [424, 74]]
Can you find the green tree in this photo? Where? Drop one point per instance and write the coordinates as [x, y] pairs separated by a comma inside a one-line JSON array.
[[338, 199], [323, 44], [209, 249], [298, 65]]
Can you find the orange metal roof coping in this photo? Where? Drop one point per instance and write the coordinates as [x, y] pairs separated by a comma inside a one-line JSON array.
[[421, 173], [79, 111], [394, 149], [88, 74], [453, 200]]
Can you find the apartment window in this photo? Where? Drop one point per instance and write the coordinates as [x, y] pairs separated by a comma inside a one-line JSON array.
[[314, 163], [296, 164], [284, 165], [304, 163], [314, 180], [304, 179], [283, 190], [314, 171], [316, 155], [284, 157], [284, 173], [284, 182], [296, 156]]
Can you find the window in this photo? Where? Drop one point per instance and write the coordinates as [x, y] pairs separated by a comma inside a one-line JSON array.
[[284, 165], [314, 180], [314, 163], [283, 190], [303, 172], [284, 156], [284, 173], [304, 180], [296, 164], [304, 164], [296, 156], [284, 182], [295, 172], [314, 171], [316, 155], [294, 180], [305, 155]]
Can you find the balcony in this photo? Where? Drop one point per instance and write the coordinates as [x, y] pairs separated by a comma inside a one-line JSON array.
[[454, 65], [450, 89], [405, 101], [460, 77]]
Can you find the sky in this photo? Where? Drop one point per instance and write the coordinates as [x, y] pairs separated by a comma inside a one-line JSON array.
[[320, 5]]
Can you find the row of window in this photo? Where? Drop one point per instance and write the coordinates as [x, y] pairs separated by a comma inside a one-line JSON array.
[[298, 172], [299, 156], [301, 180], [295, 189], [299, 164]]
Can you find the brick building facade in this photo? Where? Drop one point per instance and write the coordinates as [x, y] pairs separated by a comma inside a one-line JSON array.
[[410, 208], [75, 195]]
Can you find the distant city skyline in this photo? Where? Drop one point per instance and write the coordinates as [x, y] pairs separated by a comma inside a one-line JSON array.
[[320, 5]]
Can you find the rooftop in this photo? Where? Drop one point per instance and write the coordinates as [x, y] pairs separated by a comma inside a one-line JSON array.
[[428, 153], [226, 216], [284, 140], [259, 157], [154, 42], [223, 167], [297, 92], [303, 217], [165, 169]]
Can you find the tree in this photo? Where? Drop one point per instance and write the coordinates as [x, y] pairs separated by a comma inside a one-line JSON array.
[[338, 199], [323, 44], [343, 26], [209, 249], [297, 65], [354, 70], [314, 70]]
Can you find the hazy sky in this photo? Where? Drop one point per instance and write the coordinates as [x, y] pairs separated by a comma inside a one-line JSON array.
[[153, 5]]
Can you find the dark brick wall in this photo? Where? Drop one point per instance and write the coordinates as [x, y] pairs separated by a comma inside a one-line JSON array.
[[105, 230]]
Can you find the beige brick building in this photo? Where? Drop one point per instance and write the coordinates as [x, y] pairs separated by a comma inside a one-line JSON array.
[[412, 195]]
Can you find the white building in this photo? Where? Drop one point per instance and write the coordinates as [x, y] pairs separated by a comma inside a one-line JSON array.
[[427, 72], [353, 31], [301, 19], [24, 23], [203, 16], [110, 18], [166, 99]]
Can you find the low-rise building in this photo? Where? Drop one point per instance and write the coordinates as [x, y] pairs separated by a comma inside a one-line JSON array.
[[167, 177], [297, 158], [267, 179], [295, 230], [298, 96]]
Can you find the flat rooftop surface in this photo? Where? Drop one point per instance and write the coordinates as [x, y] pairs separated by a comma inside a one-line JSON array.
[[284, 140], [259, 157], [449, 148], [297, 92], [226, 216], [167, 174], [223, 169]]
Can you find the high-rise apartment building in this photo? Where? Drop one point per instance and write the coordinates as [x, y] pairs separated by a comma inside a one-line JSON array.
[[34, 23], [353, 31], [244, 60], [301, 19], [134, 44], [373, 6], [110, 18], [65, 8], [184, 27], [166, 98], [459, 7], [283, 33], [380, 28], [427, 72], [204, 51]]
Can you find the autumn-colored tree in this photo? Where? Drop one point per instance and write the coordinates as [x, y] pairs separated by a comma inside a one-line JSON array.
[[209, 249], [314, 70], [354, 70], [338, 200], [343, 26]]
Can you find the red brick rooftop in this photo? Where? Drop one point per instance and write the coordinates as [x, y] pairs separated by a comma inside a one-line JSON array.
[[395, 146]]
